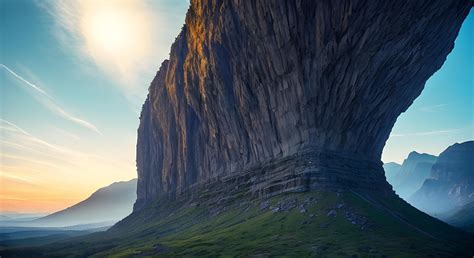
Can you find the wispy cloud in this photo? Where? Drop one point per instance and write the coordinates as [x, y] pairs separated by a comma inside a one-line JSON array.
[[431, 133], [49, 102], [65, 133], [433, 108], [8, 172], [119, 36], [24, 139], [5, 157]]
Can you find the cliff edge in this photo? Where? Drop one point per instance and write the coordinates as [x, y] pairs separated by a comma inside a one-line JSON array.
[[252, 83]]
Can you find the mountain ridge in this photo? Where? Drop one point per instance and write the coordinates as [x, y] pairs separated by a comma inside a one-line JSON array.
[[451, 184], [106, 205], [413, 172]]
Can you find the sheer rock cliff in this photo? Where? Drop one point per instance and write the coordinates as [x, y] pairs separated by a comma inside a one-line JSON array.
[[253, 86]]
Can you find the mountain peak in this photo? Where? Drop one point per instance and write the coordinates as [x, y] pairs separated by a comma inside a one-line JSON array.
[[452, 180], [109, 203]]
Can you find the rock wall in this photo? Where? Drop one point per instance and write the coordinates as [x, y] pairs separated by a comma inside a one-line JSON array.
[[253, 81]]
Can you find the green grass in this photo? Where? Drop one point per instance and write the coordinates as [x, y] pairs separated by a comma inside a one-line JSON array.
[[173, 228]]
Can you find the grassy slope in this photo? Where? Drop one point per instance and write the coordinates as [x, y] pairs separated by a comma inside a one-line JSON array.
[[463, 218], [173, 229]]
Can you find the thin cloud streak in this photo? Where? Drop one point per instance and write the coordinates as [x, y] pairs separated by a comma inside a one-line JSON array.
[[31, 138], [433, 107], [431, 133], [25, 81], [49, 102], [17, 178], [4, 156], [24, 140]]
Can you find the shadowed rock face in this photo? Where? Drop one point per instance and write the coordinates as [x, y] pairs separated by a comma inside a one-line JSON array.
[[451, 185], [252, 83]]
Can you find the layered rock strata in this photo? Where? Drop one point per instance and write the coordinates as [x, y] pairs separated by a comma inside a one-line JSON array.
[[251, 83]]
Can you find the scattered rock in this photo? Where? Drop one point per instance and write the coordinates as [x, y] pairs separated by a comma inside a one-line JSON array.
[[302, 209], [264, 205], [159, 249], [332, 213], [324, 225]]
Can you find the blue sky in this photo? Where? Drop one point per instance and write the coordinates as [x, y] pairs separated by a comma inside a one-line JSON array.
[[444, 112], [70, 97]]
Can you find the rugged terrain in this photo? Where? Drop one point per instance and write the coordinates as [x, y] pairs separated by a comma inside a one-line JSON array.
[[262, 133], [451, 184], [252, 81], [316, 223], [412, 173]]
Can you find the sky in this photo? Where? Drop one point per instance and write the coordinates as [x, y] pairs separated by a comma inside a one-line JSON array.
[[74, 74]]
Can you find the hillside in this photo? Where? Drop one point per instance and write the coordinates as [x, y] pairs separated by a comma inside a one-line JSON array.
[[108, 204], [462, 217], [299, 224], [262, 134]]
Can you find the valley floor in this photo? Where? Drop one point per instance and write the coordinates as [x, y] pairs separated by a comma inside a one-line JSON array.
[[317, 223]]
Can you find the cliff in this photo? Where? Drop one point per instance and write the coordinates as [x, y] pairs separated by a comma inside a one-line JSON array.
[[250, 84], [451, 184]]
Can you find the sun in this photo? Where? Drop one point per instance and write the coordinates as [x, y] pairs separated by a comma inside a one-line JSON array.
[[116, 31], [111, 32]]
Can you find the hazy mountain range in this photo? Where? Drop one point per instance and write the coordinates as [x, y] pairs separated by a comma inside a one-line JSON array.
[[407, 178], [104, 207], [440, 186], [101, 210]]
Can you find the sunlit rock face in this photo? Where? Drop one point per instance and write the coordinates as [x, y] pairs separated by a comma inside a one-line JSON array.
[[252, 83]]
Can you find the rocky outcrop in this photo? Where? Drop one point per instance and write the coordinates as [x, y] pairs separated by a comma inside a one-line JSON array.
[[451, 184], [251, 83]]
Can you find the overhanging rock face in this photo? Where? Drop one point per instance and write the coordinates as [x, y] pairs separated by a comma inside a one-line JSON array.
[[252, 84]]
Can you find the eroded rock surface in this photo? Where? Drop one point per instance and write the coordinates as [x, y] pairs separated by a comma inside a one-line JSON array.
[[250, 84]]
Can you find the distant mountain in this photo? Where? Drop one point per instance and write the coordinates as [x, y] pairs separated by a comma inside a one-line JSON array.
[[108, 204], [391, 170], [462, 217], [411, 174], [11, 216], [451, 184]]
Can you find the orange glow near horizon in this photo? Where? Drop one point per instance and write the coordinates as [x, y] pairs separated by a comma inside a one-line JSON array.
[[52, 172], [24, 197]]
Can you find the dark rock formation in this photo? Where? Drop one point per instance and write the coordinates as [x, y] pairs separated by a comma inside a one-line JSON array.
[[413, 172], [254, 83], [451, 184]]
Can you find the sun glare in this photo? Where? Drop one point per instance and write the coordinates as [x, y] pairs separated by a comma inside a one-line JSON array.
[[116, 32], [110, 32]]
